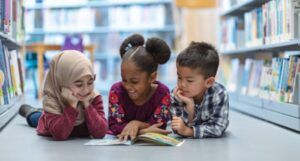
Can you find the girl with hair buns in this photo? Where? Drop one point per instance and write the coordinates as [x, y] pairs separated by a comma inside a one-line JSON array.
[[71, 106], [139, 103]]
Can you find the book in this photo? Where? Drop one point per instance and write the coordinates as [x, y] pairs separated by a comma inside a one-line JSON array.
[[143, 139]]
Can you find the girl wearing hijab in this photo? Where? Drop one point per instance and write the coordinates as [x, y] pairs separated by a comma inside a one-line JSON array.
[[71, 105]]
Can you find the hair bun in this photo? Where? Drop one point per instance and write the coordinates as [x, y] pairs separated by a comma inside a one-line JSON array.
[[132, 41], [159, 49]]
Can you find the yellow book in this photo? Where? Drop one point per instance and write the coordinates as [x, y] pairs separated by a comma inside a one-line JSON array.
[[143, 139]]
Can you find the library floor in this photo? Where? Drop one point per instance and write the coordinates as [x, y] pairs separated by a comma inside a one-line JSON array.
[[247, 138]]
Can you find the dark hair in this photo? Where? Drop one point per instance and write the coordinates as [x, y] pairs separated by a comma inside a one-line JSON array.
[[156, 51], [201, 56]]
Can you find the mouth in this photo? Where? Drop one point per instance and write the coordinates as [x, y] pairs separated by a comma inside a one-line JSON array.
[[81, 97], [184, 93], [131, 93]]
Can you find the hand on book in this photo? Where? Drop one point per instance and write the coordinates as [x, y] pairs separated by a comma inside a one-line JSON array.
[[130, 131]]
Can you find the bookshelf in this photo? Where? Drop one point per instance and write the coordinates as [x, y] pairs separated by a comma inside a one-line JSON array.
[[109, 22], [267, 92], [11, 63]]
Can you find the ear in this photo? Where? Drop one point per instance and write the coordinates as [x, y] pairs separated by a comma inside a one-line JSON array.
[[153, 77], [209, 82]]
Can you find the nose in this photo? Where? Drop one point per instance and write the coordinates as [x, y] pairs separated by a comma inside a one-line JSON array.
[[182, 84], [127, 86], [85, 90]]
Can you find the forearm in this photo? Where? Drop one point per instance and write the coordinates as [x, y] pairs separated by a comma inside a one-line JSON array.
[[141, 125], [61, 126], [96, 123]]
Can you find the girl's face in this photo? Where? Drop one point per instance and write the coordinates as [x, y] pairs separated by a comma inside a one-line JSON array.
[[191, 83], [82, 87], [137, 83]]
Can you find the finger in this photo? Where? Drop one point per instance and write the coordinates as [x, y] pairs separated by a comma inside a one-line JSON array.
[[158, 124], [125, 137], [133, 134], [162, 131], [120, 137]]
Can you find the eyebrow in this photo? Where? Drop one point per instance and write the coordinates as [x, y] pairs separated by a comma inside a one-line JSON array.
[[186, 76], [78, 81]]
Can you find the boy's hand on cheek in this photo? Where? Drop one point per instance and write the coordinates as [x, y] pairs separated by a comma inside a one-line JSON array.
[[188, 101], [67, 94]]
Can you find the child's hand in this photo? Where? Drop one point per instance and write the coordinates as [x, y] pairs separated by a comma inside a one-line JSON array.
[[179, 126], [187, 100], [89, 99], [130, 131], [68, 95], [155, 128]]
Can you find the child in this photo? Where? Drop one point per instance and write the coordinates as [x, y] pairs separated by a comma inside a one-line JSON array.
[[199, 103], [71, 106], [139, 103]]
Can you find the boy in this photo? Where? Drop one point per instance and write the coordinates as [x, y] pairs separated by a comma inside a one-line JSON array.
[[199, 103]]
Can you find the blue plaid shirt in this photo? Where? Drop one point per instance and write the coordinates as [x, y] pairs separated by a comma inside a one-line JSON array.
[[211, 115]]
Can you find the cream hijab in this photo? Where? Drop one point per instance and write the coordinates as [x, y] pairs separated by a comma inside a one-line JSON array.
[[65, 68]]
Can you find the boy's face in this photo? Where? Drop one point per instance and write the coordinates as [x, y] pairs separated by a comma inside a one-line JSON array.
[[136, 83], [82, 87], [191, 82]]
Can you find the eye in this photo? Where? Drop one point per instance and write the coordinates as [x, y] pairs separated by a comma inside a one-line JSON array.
[[179, 78], [190, 81], [134, 82], [78, 85], [90, 82]]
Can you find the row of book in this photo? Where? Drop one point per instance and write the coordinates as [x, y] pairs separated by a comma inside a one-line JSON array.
[[274, 22], [11, 15], [274, 79], [11, 74], [89, 19]]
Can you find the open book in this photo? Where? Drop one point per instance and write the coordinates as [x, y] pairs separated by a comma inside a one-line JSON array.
[[143, 139]]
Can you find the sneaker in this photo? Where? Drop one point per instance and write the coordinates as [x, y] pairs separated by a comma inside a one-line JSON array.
[[26, 110]]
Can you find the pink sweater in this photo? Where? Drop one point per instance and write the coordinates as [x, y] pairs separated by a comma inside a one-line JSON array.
[[61, 127]]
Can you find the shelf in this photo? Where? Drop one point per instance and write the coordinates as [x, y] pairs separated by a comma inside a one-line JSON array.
[[292, 45], [251, 100], [9, 42], [268, 115], [8, 111], [246, 6], [283, 108], [99, 4], [103, 30]]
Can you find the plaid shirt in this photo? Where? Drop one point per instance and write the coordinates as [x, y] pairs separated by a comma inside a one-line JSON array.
[[211, 115]]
